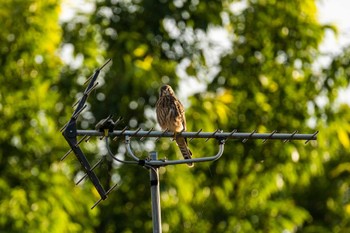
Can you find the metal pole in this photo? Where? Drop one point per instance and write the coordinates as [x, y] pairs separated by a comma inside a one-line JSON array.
[[155, 195]]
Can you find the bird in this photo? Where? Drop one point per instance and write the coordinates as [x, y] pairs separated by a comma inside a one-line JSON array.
[[171, 116]]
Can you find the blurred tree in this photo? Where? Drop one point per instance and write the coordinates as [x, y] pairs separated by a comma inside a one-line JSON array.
[[330, 207], [273, 45], [265, 80], [273, 83], [266, 83], [36, 195]]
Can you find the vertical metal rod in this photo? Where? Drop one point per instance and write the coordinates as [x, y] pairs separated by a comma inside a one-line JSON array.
[[155, 195]]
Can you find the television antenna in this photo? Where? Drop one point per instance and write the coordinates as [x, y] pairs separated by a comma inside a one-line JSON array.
[[105, 129]]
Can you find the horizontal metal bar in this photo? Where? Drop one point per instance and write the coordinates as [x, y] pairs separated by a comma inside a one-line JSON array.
[[185, 161], [221, 135], [151, 163]]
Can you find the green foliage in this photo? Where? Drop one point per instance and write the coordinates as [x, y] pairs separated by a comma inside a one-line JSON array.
[[266, 81], [37, 194], [265, 84]]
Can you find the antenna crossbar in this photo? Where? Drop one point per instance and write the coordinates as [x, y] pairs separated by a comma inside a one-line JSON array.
[[218, 135]]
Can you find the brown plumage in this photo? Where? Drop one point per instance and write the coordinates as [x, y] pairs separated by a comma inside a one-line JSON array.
[[171, 116]]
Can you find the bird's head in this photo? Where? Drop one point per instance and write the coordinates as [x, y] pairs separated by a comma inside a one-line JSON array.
[[166, 90]]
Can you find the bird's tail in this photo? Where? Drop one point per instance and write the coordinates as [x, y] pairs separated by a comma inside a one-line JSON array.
[[185, 151]]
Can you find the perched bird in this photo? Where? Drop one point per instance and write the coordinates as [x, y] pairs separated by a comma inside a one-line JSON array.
[[171, 116]]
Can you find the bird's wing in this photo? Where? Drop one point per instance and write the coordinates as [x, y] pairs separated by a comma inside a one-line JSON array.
[[181, 111]]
